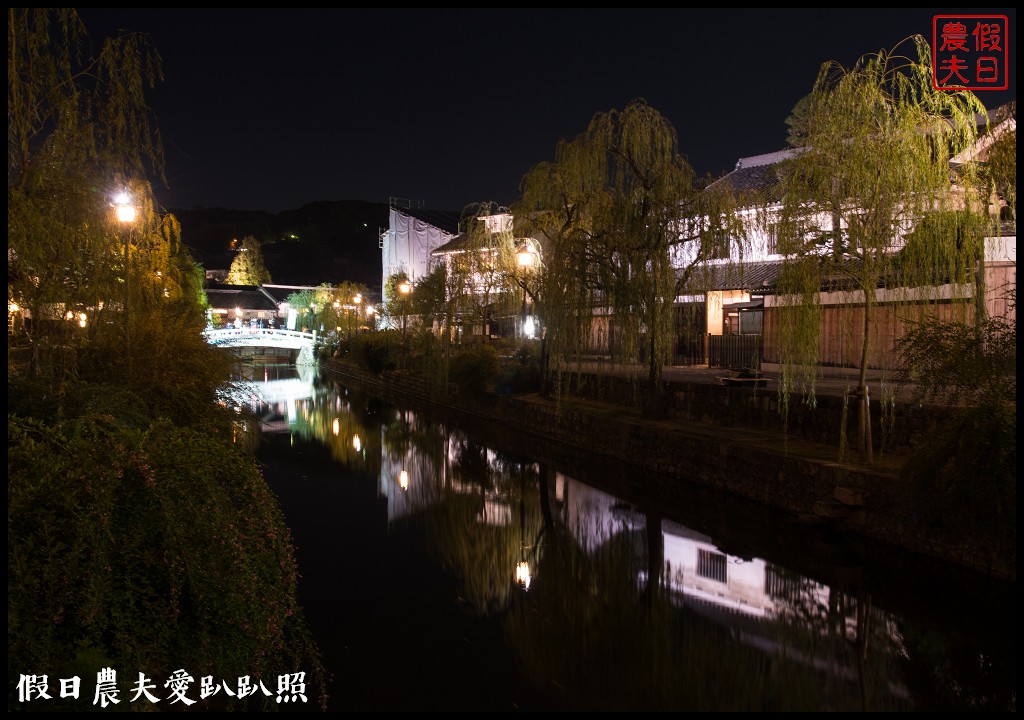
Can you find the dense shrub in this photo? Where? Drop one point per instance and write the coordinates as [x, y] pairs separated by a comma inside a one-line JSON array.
[[376, 352], [964, 477], [474, 369], [147, 550], [520, 370]]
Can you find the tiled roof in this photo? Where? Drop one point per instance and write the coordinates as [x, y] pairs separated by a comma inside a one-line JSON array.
[[457, 243], [751, 276], [756, 178], [762, 277], [280, 293], [446, 220], [246, 297]]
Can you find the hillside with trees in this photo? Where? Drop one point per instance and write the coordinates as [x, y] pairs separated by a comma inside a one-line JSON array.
[[328, 241]]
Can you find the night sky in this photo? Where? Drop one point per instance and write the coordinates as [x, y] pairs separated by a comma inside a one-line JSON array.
[[273, 109]]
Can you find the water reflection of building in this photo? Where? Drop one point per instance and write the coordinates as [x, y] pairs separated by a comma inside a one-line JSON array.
[[696, 571], [763, 605], [698, 574], [751, 596], [413, 481], [484, 522], [276, 394]]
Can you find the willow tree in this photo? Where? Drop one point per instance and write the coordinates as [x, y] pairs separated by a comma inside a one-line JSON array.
[[119, 412], [248, 267], [94, 290], [327, 307], [624, 228], [875, 157], [78, 131], [397, 306], [483, 263], [1000, 168]]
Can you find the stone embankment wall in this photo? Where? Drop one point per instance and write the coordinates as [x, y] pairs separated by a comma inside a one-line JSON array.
[[728, 439], [896, 427]]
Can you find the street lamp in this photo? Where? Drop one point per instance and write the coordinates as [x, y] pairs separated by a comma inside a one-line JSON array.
[[126, 212], [123, 205], [337, 319], [12, 315], [404, 288], [526, 257], [357, 300]]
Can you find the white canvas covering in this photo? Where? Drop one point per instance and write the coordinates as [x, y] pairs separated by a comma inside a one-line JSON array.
[[406, 246]]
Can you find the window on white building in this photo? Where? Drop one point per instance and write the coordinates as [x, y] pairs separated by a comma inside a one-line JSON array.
[[773, 239], [711, 565]]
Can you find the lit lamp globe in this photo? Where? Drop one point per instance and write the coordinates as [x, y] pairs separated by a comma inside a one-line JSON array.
[[124, 208], [526, 256]]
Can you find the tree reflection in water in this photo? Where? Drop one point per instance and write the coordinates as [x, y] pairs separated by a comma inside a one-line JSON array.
[[591, 626], [709, 632]]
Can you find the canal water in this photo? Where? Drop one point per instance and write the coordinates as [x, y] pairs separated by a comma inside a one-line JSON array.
[[442, 569]]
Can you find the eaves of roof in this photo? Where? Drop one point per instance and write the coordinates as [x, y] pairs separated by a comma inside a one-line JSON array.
[[246, 297]]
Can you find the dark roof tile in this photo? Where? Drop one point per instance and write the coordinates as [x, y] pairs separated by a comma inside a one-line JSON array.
[[756, 179], [247, 297], [446, 220]]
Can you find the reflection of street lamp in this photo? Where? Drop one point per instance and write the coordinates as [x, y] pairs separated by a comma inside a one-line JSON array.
[[403, 480], [522, 567], [523, 574]]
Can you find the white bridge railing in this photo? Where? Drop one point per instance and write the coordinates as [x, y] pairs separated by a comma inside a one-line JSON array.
[[269, 337]]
